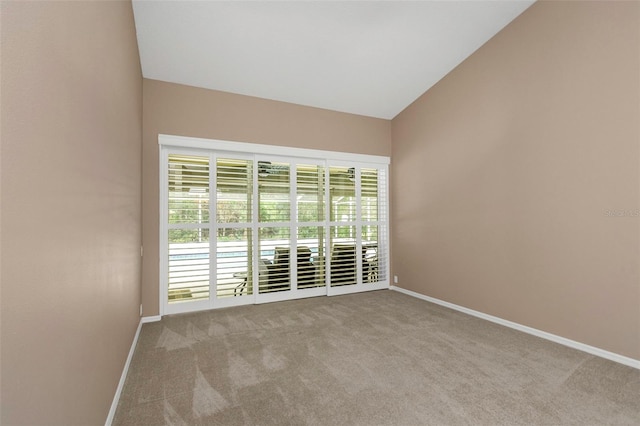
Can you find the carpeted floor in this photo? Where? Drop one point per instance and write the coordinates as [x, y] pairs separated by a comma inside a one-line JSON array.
[[377, 358]]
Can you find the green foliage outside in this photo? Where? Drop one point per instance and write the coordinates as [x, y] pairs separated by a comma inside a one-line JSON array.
[[233, 211]]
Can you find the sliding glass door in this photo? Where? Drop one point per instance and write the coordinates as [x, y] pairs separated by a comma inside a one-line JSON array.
[[232, 247], [357, 227], [311, 227], [242, 228], [290, 229], [187, 237]]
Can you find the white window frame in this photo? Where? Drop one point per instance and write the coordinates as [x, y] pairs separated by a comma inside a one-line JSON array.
[[214, 149]]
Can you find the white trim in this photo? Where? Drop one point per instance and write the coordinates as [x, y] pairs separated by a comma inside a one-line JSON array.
[[611, 356], [341, 290], [284, 296], [125, 370], [254, 148], [387, 228], [154, 318], [163, 246]]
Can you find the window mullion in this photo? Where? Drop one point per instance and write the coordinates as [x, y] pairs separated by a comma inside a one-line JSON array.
[[327, 230], [213, 229], [255, 229], [293, 228], [358, 192]]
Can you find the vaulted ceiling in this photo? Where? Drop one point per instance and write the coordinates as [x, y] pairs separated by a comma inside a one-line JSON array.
[[368, 58]]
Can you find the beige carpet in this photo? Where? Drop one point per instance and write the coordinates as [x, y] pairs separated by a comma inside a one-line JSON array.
[[377, 358]]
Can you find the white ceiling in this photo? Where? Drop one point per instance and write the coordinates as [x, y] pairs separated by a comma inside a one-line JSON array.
[[369, 58]]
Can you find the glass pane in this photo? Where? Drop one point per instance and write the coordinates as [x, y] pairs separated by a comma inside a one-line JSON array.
[[233, 263], [343, 263], [311, 257], [310, 197], [275, 267], [188, 189], [369, 200], [370, 272], [188, 265], [343, 194], [273, 191], [234, 180]]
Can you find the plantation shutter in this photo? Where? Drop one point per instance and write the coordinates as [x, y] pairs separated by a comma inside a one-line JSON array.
[[242, 227], [188, 228]]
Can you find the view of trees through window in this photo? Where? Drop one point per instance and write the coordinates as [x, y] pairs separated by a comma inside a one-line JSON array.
[[197, 211], [189, 200]]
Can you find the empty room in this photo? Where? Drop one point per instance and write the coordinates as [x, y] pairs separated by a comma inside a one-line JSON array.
[[319, 213]]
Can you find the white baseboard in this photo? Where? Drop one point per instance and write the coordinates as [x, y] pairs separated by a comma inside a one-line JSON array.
[[529, 330], [125, 370], [154, 318]]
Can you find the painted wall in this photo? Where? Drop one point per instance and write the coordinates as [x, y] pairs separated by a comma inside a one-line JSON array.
[[515, 183], [188, 111], [70, 207]]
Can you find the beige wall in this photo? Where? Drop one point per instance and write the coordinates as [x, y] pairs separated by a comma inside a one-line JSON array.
[[504, 171], [188, 111], [71, 190]]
